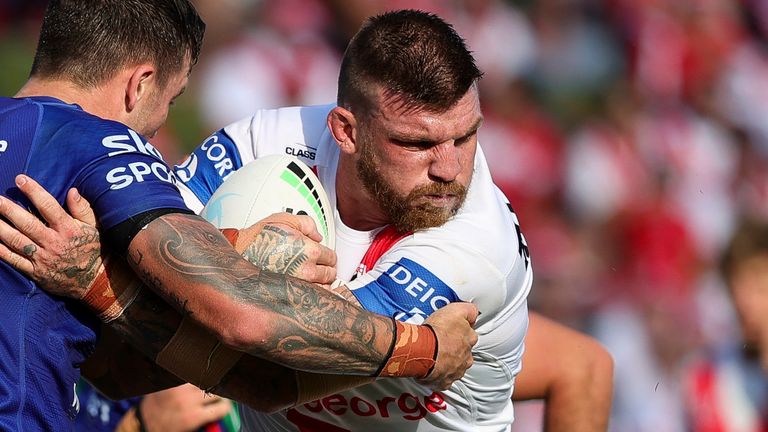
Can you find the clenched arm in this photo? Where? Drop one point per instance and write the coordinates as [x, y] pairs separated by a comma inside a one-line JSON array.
[[190, 264], [273, 316], [120, 371]]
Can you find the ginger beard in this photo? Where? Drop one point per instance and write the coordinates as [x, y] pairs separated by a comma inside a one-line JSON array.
[[411, 212]]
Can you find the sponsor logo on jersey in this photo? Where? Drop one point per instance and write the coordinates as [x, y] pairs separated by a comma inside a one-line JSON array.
[[138, 171], [216, 152], [187, 169], [131, 143], [307, 152], [407, 406], [407, 291], [3, 146], [122, 177]]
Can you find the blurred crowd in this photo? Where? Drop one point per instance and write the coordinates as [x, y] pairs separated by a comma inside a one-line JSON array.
[[630, 136]]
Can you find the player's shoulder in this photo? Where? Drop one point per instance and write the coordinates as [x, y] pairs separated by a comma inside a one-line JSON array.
[[298, 131], [64, 124], [302, 124]]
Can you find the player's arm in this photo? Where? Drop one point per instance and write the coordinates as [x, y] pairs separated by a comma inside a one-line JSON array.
[[120, 371], [571, 371], [279, 318]]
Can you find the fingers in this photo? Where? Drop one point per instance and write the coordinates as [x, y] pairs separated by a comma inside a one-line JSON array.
[[470, 312], [80, 208], [452, 325], [322, 275], [342, 291], [327, 256], [302, 223], [16, 261], [213, 411], [16, 247], [27, 224], [308, 228], [44, 202]]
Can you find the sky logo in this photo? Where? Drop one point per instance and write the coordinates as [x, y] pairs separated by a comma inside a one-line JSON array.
[[3, 146]]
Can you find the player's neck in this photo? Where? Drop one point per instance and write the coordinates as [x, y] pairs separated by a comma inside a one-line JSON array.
[[357, 209], [90, 100]]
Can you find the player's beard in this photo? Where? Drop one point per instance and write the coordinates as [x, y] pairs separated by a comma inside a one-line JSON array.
[[406, 213]]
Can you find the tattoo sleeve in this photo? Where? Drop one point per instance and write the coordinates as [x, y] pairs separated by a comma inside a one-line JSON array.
[[275, 317]]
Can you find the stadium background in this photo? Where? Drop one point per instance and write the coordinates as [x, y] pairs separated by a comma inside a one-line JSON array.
[[630, 135]]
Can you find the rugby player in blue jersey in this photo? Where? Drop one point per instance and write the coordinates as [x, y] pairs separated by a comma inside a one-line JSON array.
[[104, 75]]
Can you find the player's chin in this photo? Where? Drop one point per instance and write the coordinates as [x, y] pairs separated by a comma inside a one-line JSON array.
[[423, 217]]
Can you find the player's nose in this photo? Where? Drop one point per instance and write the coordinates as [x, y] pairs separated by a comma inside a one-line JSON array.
[[446, 163]]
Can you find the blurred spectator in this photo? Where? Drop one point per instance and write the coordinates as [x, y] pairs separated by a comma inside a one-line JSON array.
[[282, 58], [727, 386]]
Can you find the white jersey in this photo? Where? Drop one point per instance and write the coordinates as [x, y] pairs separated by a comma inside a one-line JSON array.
[[478, 256]]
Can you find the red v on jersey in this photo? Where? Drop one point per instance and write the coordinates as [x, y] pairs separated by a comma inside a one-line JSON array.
[[383, 241]]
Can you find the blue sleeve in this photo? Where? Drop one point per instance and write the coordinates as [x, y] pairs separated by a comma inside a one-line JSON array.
[[209, 165], [113, 167]]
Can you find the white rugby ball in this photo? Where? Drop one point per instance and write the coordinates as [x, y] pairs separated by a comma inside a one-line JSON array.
[[271, 184]]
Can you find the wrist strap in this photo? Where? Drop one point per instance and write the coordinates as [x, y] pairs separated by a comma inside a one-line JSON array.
[[413, 352], [113, 290], [195, 356]]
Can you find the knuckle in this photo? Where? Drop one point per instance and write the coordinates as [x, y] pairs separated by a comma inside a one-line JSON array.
[[17, 242], [49, 207], [29, 226]]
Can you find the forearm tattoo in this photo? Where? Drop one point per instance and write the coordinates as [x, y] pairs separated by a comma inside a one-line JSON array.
[[273, 250], [300, 326]]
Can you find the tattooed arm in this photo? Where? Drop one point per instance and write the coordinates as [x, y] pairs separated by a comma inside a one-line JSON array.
[[120, 371], [276, 317]]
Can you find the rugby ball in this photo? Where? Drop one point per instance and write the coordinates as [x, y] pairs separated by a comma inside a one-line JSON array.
[[271, 184]]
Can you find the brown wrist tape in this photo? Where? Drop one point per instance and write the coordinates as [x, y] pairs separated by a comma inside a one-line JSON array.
[[414, 352], [194, 355], [113, 290], [312, 386]]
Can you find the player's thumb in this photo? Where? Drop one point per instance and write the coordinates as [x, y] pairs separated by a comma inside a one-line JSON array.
[[80, 208]]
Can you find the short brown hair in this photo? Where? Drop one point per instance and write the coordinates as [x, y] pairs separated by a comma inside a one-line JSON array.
[[87, 41], [412, 54]]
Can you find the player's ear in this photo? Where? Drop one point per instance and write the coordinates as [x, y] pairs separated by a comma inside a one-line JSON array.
[[141, 78], [343, 127]]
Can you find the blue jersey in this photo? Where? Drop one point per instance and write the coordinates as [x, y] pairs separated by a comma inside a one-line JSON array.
[[46, 338]]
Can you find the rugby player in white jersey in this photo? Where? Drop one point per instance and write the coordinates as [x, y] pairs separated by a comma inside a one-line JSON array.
[[400, 161], [419, 220]]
